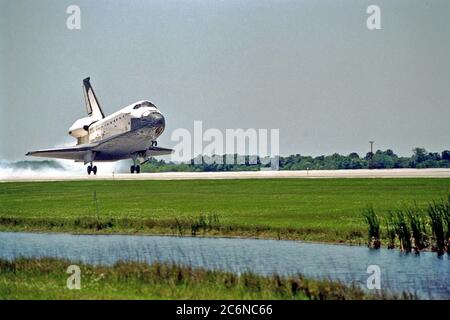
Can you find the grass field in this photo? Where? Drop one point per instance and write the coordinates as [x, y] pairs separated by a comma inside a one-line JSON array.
[[47, 278], [307, 209]]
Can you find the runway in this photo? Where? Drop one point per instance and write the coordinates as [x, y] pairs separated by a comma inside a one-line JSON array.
[[305, 174]]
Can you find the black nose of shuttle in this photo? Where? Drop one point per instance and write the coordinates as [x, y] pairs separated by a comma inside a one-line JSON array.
[[157, 119], [154, 119]]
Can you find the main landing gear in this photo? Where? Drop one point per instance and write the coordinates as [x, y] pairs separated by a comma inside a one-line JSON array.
[[135, 168], [92, 169]]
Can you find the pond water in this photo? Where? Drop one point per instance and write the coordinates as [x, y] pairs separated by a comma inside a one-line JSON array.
[[426, 275]]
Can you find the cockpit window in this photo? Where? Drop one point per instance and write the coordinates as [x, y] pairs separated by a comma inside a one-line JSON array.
[[144, 104]]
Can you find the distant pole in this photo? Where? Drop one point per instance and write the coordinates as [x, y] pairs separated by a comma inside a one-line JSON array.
[[371, 154]]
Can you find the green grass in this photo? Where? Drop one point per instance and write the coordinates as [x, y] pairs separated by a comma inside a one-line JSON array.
[[47, 278], [308, 209]]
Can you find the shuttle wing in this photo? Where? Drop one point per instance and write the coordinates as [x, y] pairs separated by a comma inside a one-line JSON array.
[[89, 151], [156, 151], [76, 153]]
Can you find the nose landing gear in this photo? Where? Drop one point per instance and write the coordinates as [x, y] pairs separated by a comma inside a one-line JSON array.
[[154, 143]]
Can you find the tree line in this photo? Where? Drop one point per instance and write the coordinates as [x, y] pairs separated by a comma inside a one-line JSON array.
[[381, 159]]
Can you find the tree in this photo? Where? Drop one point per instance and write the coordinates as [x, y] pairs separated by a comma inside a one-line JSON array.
[[419, 155], [445, 155], [369, 155], [434, 156], [384, 159]]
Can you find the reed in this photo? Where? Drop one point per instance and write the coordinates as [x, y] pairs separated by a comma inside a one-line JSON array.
[[373, 224], [417, 223], [437, 213], [447, 221], [204, 222], [390, 230], [412, 225], [403, 231], [179, 226]]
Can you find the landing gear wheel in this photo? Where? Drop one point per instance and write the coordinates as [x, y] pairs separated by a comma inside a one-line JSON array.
[[138, 169], [94, 170], [132, 169], [154, 143], [89, 170]]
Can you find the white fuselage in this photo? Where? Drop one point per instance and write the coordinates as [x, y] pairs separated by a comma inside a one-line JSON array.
[[123, 133], [118, 122], [88, 130]]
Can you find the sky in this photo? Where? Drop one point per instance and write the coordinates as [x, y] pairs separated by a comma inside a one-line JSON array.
[[310, 68]]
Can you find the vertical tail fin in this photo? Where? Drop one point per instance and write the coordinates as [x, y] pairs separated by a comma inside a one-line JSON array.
[[92, 105]]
